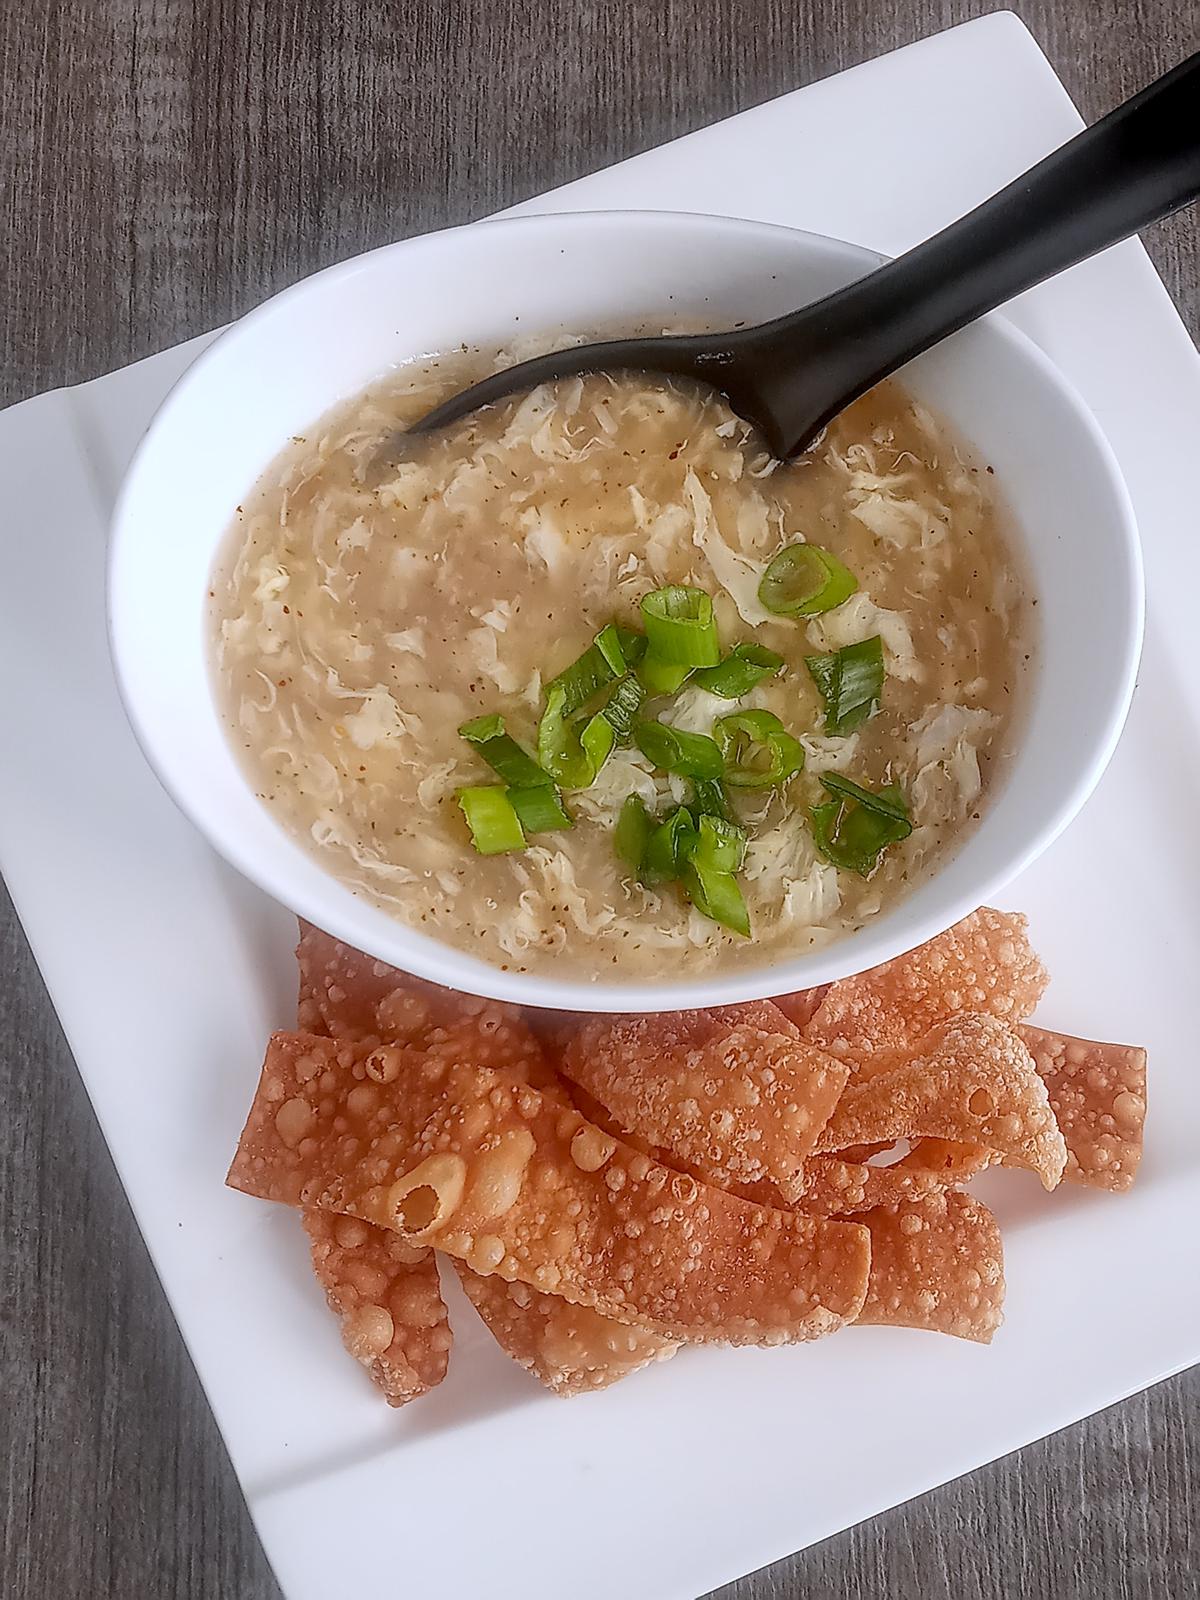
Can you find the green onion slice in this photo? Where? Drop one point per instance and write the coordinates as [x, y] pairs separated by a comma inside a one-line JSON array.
[[622, 707], [540, 809], [503, 754], [611, 725], [758, 750], [708, 799], [669, 848], [694, 755], [804, 579], [662, 677], [744, 666], [596, 739], [854, 828], [634, 827], [680, 628], [851, 683], [492, 819], [560, 751], [611, 655], [720, 845], [716, 895]]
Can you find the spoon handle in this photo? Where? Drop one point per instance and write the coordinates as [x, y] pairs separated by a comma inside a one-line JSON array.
[[1139, 163]]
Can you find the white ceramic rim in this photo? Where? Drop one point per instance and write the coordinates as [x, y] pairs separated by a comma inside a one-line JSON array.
[[874, 943]]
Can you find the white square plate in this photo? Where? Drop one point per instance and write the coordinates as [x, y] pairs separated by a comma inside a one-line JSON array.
[[168, 971]]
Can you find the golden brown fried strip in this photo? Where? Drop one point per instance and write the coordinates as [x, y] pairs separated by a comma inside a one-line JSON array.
[[734, 1093], [1098, 1094], [387, 1295], [800, 1007], [491, 1171], [570, 1348], [953, 1162], [983, 964], [834, 1187], [973, 1083], [937, 1264], [348, 995], [344, 993]]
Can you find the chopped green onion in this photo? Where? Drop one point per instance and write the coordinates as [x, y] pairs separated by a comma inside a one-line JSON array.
[[744, 666], [560, 752], [720, 845], [622, 707], [634, 827], [611, 725], [804, 579], [680, 628], [580, 681], [596, 739], [669, 847], [492, 819], [887, 802], [757, 749], [633, 645], [851, 683], [703, 860], [854, 828], [608, 642], [611, 655], [694, 755], [716, 895], [708, 799], [662, 677], [502, 753], [540, 809]]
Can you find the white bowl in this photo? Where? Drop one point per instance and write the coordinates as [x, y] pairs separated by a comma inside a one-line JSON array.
[[272, 374]]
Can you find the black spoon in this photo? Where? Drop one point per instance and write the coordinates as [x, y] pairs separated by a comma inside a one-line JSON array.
[[792, 375]]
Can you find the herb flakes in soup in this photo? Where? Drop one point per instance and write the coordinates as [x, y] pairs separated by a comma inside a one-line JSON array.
[[589, 681]]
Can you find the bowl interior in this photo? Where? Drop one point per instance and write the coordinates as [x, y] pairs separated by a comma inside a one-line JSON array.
[[277, 371]]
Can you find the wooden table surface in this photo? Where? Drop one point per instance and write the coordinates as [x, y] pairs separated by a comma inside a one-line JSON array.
[[164, 167]]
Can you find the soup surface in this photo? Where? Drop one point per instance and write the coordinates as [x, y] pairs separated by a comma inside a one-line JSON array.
[[370, 601]]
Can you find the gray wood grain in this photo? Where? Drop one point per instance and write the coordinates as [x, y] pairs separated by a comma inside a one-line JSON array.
[[162, 168]]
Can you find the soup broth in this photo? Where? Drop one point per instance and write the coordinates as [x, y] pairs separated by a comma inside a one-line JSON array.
[[371, 601]]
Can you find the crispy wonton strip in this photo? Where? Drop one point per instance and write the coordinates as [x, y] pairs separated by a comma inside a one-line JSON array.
[[1098, 1094], [801, 1006], [835, 1188], [387, 1295], [373, 1281], [954, 1163], [734, 1093], [572, 1349], [489, 1170], [937, 1264], [974, 1083], [348, 995], [984, 963]]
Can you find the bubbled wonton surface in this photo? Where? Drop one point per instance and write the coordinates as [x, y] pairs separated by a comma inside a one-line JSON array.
[[612, 1189]]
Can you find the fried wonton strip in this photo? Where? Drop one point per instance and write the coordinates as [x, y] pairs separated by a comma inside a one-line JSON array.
[[974, 1083], [344, 993], [511, 1181], [387, 1296], [983, 964], [572, 1349], [937, 1264], [834, 1187], [843, 1183], [801, 1006], [1098, 1094], [349, 995], [954, 1163], [734, 1093]]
